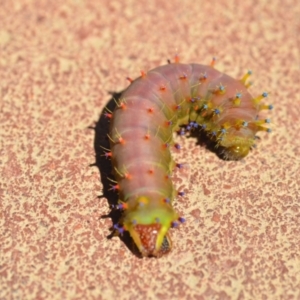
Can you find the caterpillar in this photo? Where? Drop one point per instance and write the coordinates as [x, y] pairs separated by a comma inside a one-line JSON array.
[[149, 111]]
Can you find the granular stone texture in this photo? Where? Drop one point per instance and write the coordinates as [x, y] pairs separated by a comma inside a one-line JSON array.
[[61, 63]]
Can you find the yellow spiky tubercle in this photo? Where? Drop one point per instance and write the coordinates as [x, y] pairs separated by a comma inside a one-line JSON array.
[[230, 115]]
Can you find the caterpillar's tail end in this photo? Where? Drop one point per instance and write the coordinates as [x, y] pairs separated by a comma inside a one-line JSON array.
[[235, 148], [237, 152]]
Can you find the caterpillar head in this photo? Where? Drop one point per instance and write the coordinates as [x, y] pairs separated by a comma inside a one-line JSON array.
[[151, 239], [148, 225]]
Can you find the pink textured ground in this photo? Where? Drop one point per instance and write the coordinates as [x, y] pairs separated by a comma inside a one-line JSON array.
[[57, 65]]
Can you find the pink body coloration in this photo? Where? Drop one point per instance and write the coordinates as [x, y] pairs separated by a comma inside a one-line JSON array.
[[141, 133]]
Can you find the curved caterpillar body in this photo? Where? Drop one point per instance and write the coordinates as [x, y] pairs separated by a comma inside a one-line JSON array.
[[141, 135]]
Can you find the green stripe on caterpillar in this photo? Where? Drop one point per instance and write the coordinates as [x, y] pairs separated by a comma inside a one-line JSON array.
[[150, 110]]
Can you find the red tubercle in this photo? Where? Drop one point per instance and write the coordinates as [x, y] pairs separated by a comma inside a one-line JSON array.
[[143, 74], [122, 105], [162, 88], [121, 141], [183, 77], [151, 171], [165, 145], [108, 115], [122, 206], [218, 90], [108, 154], [115, 187], [168, 123], [129, 79], [147, 137], [176, 58], [166, 200], [176, 107], [203, 77], [150, 110], [167, 176], [192, 99], [127, 176], [213, 62]]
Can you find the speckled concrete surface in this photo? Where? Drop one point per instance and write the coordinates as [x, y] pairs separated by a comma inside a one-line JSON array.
[[58, 64]]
